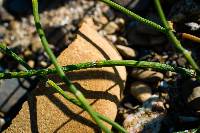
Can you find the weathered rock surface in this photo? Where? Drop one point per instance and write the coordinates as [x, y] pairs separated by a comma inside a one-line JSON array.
[[47, 111]]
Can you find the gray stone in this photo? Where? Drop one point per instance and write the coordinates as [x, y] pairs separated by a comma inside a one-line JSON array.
[[10, 93]]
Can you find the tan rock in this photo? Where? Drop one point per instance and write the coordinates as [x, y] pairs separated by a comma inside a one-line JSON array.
[[126, 52], [140, 91], [2, 122], [1, 55], [111, 28], [2, 114], [121, 41], [31, 63], [90, 22], [101, 19], [43, 64], [27, 53], [47, 111], [147, 75], [120, 22]]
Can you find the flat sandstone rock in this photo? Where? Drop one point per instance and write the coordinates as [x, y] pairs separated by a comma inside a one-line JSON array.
[[46, 111]]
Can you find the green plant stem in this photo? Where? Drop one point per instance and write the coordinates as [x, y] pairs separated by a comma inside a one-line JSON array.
[[104, 63], [76, 102], [135, 16], [9, 52], [61, 73], [173, 38]]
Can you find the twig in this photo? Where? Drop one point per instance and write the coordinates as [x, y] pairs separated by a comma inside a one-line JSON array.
[[104, 63], [173, 38], [76, 102], [190, 37], [135, 16], [61, 73]]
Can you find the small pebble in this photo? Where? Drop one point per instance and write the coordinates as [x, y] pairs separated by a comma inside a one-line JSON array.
[[21, 67], [121, 41], [194, 98], [181, 61], [111, 28], [31, 63], [169, 74], [108, 12], [141, 91], [14, 25], [27, 53], [101, 19], [43, 64], [120, 22], [111, 38], [2, 122], [126, 52], [193, 26], [144, 122], [147, 75], [1, 55], [4, 14], [158, 106], [1, 113], [36, 44]]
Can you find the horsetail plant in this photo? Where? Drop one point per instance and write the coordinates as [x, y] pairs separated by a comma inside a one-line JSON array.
[[173, 38], [61, 73], [166, 30], [104, 63], [80, 100], [10, 53]]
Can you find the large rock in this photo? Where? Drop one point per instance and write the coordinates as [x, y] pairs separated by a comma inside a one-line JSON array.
[[47, 111]]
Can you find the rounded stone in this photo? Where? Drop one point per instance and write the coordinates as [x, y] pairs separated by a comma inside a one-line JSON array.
[[47, 111], [126, 52], [147, 75], [111, 28], [31, 63], [194, 98], [140, 91]]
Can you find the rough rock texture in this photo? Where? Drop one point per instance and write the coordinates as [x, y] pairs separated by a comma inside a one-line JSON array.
[[47, 111]]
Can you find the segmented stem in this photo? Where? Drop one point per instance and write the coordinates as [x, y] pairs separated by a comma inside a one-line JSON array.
[[61, 73], [134, 16], [173, 38], [104, 63]]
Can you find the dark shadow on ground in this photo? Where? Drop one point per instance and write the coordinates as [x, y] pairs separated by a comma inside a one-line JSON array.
[[20, 8]]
